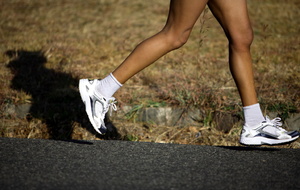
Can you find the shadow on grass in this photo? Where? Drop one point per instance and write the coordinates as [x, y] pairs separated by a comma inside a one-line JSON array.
[[55, 98]]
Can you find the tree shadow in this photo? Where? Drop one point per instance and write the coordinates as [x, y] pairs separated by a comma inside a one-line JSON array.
[[55, 97]]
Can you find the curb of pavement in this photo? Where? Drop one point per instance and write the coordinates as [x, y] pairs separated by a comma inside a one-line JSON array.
[[172, 116]]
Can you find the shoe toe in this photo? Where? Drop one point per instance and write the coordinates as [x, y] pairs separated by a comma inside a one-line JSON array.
[[102, 129], [293, 134]]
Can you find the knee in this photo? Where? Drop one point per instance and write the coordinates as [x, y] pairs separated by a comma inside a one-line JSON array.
[[241, 39], [176, 39]]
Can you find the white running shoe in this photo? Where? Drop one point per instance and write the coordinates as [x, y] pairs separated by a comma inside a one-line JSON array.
[[267, 132], [96, 105]]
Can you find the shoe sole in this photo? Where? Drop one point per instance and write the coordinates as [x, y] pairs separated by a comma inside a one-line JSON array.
[[86, 100], [257, 141]]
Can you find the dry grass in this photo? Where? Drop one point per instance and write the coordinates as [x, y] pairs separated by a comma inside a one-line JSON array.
[[47, 46]]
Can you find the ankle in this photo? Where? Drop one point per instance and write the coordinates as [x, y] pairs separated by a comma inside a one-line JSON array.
[[108, 86], [253, 115]]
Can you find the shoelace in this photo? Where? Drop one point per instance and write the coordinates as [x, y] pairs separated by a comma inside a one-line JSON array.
[[111, 105], [276, 122]]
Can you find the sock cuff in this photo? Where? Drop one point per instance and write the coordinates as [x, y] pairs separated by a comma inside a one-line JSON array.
[[113, 77], [253, 115], [251, 106]]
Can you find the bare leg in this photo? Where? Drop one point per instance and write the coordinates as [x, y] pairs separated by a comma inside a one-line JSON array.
[[182, 17], [234, 19]]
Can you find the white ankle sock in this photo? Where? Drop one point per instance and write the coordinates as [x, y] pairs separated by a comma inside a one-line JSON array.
[[253, 115], [108, 86]]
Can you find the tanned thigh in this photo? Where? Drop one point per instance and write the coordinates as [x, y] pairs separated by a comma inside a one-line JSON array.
[[183, 14], [232, 16]]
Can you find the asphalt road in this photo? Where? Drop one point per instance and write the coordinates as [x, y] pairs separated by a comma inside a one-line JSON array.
[[49, 164]]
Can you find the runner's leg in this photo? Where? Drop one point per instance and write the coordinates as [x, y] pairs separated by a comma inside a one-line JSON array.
[[234, 19], [181, 19]]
